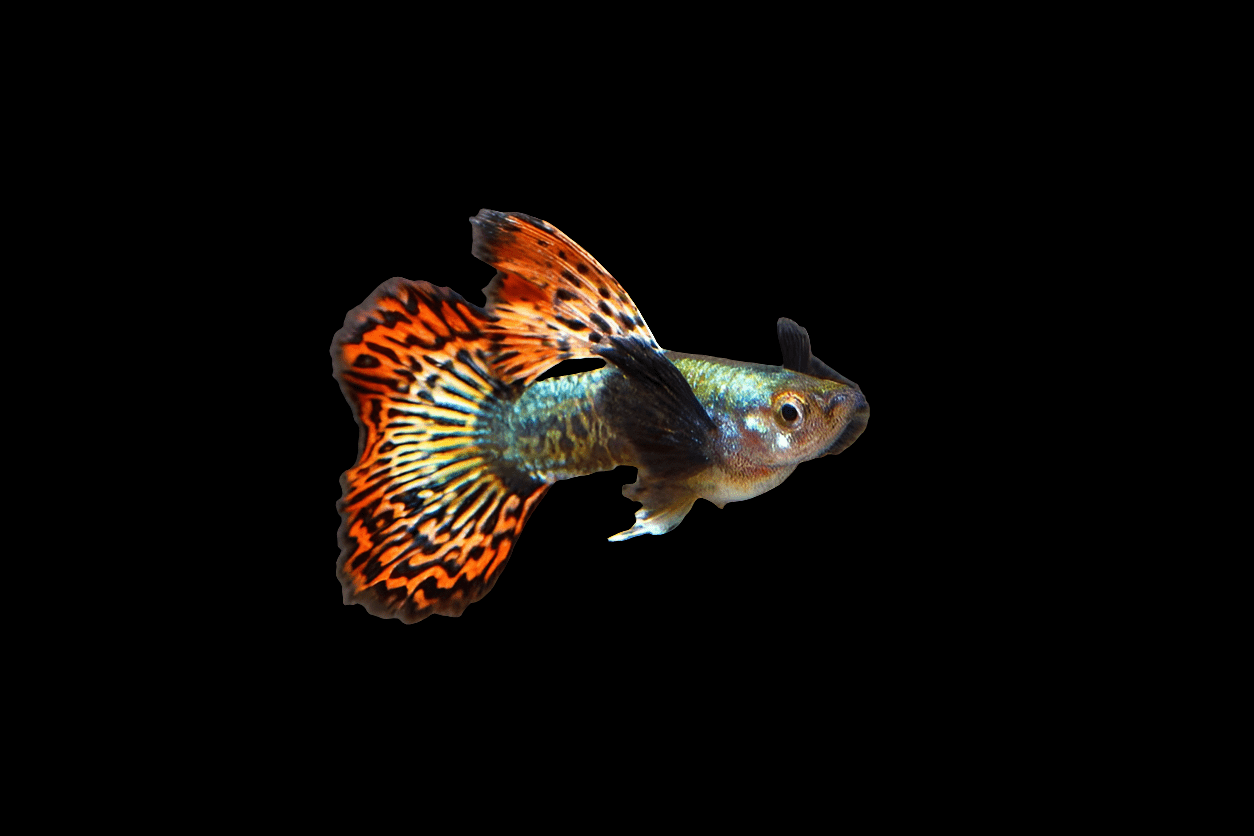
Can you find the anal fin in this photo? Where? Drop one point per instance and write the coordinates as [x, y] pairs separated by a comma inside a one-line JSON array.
[[665, 504]]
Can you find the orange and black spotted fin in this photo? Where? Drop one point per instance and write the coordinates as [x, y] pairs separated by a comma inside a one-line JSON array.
[[429, 513], [794, 342], [552, 301]]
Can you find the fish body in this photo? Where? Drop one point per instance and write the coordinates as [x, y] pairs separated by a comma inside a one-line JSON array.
[[459, 441], [760, 442]]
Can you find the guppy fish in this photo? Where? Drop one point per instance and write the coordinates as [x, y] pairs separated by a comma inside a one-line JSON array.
[[458, 444]]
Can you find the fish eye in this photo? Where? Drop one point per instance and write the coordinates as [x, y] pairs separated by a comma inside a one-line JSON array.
[[789, 413]]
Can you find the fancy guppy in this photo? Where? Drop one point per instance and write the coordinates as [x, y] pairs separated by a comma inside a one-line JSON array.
[[459, 442]]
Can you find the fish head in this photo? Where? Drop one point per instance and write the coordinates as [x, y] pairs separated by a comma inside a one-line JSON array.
[[796, 418]]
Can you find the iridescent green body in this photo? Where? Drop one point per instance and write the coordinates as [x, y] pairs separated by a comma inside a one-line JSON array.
[[574, 425], [756, 454], [561, 428]]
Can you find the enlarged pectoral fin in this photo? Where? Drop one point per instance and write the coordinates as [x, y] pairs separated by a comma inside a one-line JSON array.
[[664, 506]]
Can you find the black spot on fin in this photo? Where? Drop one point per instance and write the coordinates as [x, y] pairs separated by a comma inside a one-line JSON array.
[[429, 513], [794, 342], [550, 299]]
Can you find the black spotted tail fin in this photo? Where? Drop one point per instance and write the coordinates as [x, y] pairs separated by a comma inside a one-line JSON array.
[[429, 513]]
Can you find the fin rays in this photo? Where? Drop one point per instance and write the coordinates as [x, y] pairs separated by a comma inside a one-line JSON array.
[[551, 300], [428, 516]]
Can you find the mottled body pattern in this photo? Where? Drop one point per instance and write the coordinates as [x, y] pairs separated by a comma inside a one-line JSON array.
[[459, 442]]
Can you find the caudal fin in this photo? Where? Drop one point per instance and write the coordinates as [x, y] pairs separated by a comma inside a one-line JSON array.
[[429, 514]]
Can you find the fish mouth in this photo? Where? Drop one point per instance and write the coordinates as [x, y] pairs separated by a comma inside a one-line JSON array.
[[857, 421]]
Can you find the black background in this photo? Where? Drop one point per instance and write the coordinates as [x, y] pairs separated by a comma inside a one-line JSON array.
[[911, 588], [908, 237]]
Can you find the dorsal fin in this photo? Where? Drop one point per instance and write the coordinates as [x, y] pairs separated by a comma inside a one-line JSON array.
[[794, 342], [552, 300]]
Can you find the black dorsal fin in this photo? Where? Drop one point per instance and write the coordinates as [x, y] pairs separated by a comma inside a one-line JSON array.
[[794, 342]]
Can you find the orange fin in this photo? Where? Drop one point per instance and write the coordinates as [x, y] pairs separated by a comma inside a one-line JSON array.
[[551, 300], [429, 514]]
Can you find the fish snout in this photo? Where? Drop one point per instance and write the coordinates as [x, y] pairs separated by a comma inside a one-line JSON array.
[[851, 399], [854, 405]]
